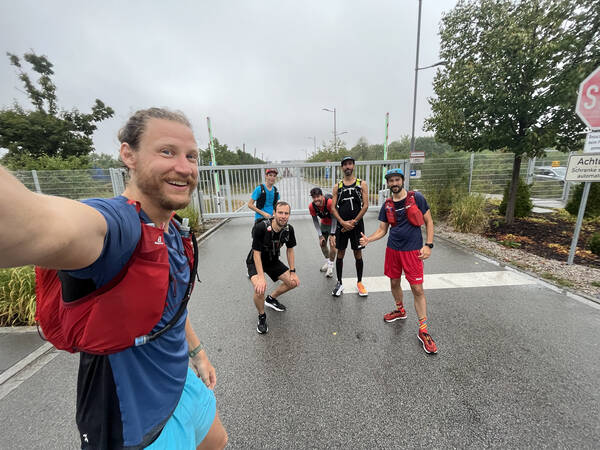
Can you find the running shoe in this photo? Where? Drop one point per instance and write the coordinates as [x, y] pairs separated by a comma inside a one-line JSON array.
[[329, 273], [325, 266], [273, 303], [398, 314], [362, 290], [262, 327], [338, 289], [428, 344]]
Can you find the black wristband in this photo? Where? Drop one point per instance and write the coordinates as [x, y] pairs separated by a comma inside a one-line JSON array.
[[293, 270]]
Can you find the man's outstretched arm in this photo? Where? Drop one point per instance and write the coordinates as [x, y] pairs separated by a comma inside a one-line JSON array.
[[45, 230]]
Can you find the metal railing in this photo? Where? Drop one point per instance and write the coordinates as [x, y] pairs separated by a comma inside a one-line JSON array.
[[224, 191]]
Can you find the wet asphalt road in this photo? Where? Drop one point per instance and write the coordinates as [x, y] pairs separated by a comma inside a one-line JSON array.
[[518, 366]]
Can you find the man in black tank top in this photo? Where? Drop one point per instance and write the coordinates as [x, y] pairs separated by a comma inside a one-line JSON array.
[[351, 200]]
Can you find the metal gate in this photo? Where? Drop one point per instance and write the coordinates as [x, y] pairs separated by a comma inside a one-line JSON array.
[[224, 191]]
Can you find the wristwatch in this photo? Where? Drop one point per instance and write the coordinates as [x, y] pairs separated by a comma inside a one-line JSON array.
[[429, 245], [293, 270]]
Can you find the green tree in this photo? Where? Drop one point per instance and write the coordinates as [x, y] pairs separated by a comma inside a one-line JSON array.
[[104, 161], [523, 204], [592, 206], [45, 162], [226, 157], [511, 76], [46, 130]]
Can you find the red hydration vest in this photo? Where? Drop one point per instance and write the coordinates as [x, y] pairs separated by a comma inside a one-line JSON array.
[[121, 313], [413, 213]]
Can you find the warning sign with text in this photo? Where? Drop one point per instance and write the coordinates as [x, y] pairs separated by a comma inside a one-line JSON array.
[[584, 167]]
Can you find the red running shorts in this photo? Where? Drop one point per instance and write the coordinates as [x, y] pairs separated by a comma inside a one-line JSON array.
[[397, 261]]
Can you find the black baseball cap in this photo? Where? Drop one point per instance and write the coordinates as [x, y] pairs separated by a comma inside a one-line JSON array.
[[347, 158]]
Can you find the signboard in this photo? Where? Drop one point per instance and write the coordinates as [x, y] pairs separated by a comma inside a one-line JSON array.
[[417, 157], [583, 168], [592, 142], [588, 100], [415, 173], [555, 163]]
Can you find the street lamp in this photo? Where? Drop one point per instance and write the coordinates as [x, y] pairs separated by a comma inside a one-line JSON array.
[[334, 128], [417, 68], [314, 138]]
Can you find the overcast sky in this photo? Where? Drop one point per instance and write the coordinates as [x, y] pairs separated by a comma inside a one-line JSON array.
[[262, 69]]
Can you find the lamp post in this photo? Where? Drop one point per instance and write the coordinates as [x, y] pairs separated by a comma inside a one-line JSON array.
[[314, 138], [334, 127], [417, 68]]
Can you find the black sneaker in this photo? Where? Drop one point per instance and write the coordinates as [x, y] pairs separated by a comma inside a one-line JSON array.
[[273, 303], [338, 289], [262, 327]]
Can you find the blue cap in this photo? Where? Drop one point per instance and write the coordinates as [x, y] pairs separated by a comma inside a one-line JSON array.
[[392, 172]]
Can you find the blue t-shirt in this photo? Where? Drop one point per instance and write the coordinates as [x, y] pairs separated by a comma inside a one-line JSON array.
[[268, 208], [148, 380], [404, 236]]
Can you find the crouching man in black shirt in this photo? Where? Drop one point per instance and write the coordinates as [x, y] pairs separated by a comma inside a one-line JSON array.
[[268, 236]]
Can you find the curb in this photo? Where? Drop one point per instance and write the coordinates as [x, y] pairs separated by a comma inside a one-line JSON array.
[[210, 231], [580, 296]]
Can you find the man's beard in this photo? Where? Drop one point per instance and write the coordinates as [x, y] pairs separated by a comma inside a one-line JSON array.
[[396, 189], [281, 222], [151, 187], [348, 171]]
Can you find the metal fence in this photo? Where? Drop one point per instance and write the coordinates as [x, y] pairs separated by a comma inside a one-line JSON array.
[[223, 191]]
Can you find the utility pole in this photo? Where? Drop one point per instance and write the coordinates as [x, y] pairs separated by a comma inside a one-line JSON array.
[[334, 111]]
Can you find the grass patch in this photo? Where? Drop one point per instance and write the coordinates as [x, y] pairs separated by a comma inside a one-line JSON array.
[[510, 243], [595, 283], [17, 296], [468, 215], [557, 280]]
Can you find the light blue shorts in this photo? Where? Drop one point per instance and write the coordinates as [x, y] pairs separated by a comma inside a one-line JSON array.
[[192, 418]]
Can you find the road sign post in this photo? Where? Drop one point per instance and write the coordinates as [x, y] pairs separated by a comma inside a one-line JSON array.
[[586, 167], [588, 100]]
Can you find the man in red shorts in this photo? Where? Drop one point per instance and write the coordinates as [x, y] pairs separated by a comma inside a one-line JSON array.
[[405, 252], [321, 207]]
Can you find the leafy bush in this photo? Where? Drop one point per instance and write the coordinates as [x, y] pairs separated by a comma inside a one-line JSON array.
[[17, 296], [594, 244], [468, 215], [592, 207], [191, 214], [523, 204]]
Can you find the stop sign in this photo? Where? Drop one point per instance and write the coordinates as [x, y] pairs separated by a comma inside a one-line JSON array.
[[588, 100]]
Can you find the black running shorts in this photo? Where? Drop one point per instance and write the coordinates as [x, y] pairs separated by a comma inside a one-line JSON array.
[[273, 268], [341, 238]]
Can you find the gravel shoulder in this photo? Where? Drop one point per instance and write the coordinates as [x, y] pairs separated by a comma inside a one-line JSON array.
[[575, 278]]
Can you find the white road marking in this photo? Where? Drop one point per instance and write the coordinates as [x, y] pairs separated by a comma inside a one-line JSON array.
[[28, 366], [445, 281]]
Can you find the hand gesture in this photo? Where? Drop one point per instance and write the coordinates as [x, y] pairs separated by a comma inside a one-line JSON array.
[[204, 369], [294, 278], [364, 240], [425, 252], [260, 285], [322, 241], [332, 241]]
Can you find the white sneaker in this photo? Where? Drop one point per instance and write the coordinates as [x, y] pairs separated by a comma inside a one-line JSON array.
[[329, 273], [325, 266]]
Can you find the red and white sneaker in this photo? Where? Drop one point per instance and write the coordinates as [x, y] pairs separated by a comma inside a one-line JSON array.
[[428, 344], [398, 314]]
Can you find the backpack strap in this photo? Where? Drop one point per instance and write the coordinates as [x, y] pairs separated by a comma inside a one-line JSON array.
[[275, 197], [262, 198]]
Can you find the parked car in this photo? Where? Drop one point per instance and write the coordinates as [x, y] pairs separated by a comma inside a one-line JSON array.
[[550, 173]]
